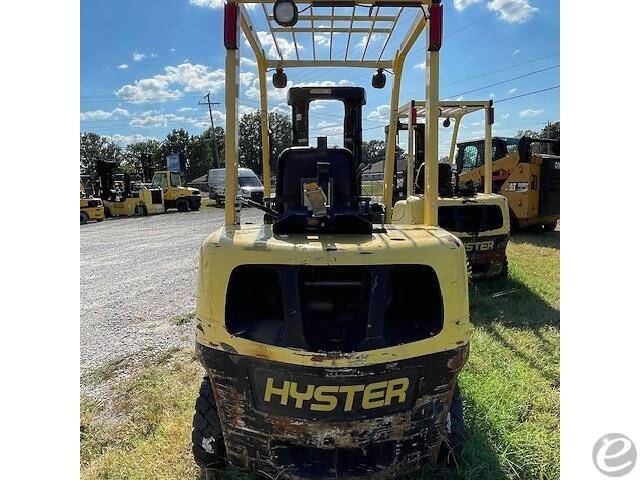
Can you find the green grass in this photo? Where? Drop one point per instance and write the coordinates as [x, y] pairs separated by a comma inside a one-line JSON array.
[[510, 387]]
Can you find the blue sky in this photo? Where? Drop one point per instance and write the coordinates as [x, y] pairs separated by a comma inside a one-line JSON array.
[[146, 64]]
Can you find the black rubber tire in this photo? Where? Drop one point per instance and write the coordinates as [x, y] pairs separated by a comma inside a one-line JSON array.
[[195, 206], [138, 212], [451, 447], [549, 227], [182, 204], [208, 444], [504, 272], [107, 212], [84, 218]]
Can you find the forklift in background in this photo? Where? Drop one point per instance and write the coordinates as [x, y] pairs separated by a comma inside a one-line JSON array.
[[480, 220], [175, 195], [120, 199], [91, 209], [525, 170]]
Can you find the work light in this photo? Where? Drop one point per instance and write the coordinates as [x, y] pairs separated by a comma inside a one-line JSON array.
[[285, 13], [279, 78], [379, 79], [447, 122]]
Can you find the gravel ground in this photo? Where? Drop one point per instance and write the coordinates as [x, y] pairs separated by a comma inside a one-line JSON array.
[[137, 275]]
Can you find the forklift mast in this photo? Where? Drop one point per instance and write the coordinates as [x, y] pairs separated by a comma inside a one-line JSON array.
[[105, 171], [353, 99]]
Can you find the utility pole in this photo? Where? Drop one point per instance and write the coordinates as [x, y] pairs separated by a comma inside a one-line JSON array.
[[214, 150]]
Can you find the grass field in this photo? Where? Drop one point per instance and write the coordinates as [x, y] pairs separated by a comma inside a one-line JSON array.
[[510, 387]]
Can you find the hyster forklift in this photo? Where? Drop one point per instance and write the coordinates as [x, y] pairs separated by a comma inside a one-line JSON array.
[[331, 341], [175, 195], [120, 199], [523, 172], [91, 209], [480, 220]]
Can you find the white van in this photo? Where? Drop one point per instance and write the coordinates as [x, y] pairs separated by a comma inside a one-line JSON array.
[[249, 185]]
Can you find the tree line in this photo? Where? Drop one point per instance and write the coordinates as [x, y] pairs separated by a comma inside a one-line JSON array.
[[196, 150]]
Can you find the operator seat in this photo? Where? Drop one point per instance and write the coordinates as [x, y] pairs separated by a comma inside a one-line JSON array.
[[334, 170]]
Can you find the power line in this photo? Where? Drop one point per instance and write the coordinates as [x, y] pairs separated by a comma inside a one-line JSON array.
[[527, 94], [505, 81]]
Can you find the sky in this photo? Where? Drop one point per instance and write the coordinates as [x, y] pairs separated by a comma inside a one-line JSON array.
[[145, 65]]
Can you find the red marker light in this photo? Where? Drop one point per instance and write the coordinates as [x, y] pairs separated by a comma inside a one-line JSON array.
[[435, 27], [231, 26]]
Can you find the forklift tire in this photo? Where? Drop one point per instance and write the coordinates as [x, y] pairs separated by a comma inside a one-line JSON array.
[[107, 212], [208, 444], [451, 447], [504, 272], [195, 206], [84, 218], [141, 211], [182, 205], [549, 227]]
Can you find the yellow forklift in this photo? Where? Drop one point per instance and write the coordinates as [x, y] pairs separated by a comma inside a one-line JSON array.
[[175, 195], [120, 199], [525, 170], [480, 220], [91, 209], [331, 339]]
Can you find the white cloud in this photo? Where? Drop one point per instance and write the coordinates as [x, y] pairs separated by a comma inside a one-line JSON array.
[[123, 66], [207, 3], [137, 56], [172, 50], [102, 115], [319, 104], [380, 113], [187, 109], [154, 55], [282, 108], [246, 78], [162, 87], [374, 38], [280, 94], [217, 4], [512, 90], [512, 11], [328, 129], [244, 61], [504, 116], [516, 51], [246, 110], [529, 113], [462, 4], [152, 119], [421, 66], [124, 140], [287, 48]]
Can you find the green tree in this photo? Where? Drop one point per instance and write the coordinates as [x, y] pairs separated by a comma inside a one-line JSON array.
[[250, 141], [200, 155], [95, 147], [135, 151], [373, 151]]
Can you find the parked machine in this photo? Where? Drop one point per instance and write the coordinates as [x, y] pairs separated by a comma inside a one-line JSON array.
[[120, 199], [91, 209], [249, 185], [480, 220], [525, 170], [175, 195], [332, 342]]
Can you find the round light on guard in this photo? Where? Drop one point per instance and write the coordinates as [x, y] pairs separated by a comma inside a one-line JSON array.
[[379, 79], [285, 13], [279, 78]]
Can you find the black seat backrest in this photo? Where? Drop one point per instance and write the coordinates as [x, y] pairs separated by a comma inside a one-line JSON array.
[[297, 164]]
